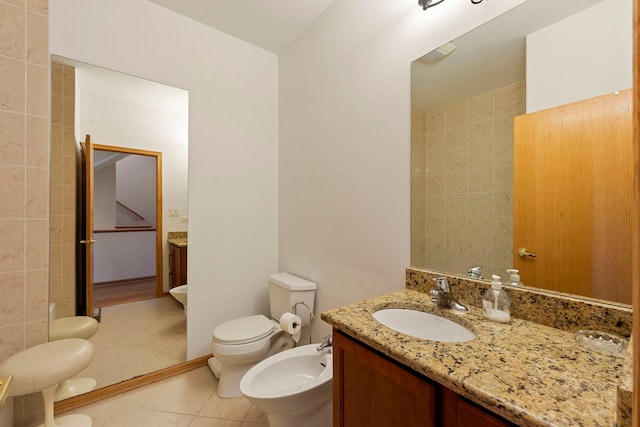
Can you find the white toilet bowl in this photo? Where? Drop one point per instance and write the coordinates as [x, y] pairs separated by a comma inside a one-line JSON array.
[[180, 294], [293, 388], [42, 367], [83, 327], [241, 343]]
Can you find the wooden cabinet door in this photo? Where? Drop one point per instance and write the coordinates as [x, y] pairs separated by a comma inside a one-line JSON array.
[[370, 390], [469, 415], [183, 265], [177, 265], [172, 266]]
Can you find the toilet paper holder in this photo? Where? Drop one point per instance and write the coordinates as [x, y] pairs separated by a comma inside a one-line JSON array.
[[294, 310]]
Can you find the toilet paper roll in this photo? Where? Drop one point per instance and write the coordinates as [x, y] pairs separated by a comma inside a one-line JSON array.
[[291, 324]]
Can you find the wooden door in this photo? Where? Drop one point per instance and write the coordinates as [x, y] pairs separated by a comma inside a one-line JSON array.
[[572, 197], [88, 239], [89, 149]]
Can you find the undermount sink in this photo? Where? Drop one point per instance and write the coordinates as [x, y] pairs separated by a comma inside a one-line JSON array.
[[423, 325]]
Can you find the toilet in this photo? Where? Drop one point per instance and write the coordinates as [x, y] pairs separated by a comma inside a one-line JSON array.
[[293, 388], [83, 327], [70, 327], [42, 367], [239, 344]]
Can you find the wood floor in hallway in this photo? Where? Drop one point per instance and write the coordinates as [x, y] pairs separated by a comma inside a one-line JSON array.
[[106, 294]]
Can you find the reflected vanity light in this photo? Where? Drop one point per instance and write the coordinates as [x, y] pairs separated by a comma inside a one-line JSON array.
[[426, 4]]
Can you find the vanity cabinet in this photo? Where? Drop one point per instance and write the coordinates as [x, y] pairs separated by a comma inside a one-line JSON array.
[[457, 411], [177, 265], [370, 389]]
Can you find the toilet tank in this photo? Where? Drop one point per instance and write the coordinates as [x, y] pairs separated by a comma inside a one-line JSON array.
[[287, 290]]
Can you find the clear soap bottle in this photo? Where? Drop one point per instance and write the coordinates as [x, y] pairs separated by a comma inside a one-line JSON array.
[[496, 303]]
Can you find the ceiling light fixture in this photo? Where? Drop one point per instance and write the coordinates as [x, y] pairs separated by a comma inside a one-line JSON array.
[[426, 4]]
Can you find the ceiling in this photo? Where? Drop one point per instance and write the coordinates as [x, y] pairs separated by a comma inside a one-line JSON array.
[[270, 24], [488, 57]]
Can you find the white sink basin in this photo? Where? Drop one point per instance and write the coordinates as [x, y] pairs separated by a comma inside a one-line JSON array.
[[423, 325]]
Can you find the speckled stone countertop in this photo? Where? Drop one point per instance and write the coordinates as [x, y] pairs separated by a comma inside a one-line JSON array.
[[528, 373], [178, 238]]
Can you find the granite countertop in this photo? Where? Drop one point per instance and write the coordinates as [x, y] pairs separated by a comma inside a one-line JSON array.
[[178, 238], [181, 241], [530, 374]]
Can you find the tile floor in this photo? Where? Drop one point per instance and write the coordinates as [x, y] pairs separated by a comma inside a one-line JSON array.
[[188, 399], [145, 336], [137, 338]]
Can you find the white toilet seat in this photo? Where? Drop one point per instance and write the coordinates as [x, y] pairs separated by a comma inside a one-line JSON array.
[[244, 330], [253, 335]]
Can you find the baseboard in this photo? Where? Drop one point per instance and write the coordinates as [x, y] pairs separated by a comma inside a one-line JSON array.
[[128, 385], [124, 281]]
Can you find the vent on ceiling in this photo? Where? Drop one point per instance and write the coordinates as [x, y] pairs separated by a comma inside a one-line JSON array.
[[437, 54]]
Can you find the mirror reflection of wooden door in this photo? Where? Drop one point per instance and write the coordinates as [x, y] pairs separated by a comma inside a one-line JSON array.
[[87, 241], [136, 252], [572, 197]]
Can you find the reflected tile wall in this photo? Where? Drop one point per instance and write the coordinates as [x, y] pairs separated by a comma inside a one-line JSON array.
[[418, 186], [24, 179], [462, 155], [62, 250]]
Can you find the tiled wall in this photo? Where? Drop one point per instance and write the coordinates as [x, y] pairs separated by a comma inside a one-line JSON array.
[[24, 177], [462, 183], [62, 205]]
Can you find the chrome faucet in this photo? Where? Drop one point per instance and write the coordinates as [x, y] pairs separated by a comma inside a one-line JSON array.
[[327, 342], [442, 295], [475, 272]]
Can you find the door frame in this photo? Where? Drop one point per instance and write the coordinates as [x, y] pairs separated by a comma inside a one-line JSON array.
[[84, 286]]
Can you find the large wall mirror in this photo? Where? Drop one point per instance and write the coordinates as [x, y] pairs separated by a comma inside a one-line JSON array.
[[134, 123], [477, 101]]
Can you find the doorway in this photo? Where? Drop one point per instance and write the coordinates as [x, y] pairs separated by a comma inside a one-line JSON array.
[[120, 227]]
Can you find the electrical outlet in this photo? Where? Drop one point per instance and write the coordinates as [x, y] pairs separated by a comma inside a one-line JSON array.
[[174, 212], [184, 219]]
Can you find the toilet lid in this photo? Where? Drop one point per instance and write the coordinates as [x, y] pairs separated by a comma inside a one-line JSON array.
[[243, 330]]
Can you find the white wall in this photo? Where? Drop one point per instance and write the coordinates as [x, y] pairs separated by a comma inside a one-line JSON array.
[[585, 55], [124, 255], [233, 141], [135, 176], [344, 142], [104, 194]]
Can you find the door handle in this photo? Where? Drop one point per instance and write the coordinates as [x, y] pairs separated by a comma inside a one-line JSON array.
[[523, 252], [88, 242]]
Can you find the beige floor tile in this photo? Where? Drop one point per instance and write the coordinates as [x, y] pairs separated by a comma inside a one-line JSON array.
[[255, 415], [214, 422], [137, 338], [187, 399], [235, 408], [189, 392], [165, 419]]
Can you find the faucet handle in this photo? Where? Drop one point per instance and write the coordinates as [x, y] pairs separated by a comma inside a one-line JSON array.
[[326, 342], [441, 283]]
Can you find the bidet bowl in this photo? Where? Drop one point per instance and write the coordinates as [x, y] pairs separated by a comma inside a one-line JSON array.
[[424, 325], [292, 385]]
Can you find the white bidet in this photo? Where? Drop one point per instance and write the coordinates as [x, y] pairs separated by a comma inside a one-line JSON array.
[[293, 388], [180, 294]]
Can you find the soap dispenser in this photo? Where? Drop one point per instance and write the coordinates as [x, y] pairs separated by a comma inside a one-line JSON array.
[[495, 302], [514, 277]]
